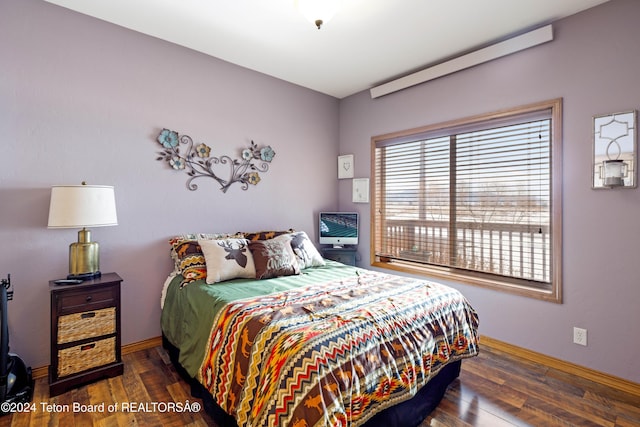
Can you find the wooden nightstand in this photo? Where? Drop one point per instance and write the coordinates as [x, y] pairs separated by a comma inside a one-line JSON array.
[[344, 255], [85, 332]]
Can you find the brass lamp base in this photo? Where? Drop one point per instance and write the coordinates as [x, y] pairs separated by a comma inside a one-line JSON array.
[[84, 257]]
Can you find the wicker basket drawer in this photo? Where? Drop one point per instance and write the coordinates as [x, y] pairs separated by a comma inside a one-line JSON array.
[[86, 356], [78, 326]]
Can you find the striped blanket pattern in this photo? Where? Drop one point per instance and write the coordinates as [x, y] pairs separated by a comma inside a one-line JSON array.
[[336, 353]]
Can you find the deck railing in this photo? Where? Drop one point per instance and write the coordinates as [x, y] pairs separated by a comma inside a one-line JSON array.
[[514, 250]]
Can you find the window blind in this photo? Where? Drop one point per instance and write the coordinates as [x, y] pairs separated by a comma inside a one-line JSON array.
[[475, 197]]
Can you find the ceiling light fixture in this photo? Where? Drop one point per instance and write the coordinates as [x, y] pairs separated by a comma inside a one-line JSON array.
[[319, 12]]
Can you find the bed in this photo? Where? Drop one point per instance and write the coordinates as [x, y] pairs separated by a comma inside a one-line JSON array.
[[286, 338]]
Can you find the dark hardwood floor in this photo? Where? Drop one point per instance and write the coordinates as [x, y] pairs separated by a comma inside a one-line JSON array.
[[494, 389]]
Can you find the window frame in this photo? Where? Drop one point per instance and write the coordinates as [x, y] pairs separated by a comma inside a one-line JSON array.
[[496, 282]]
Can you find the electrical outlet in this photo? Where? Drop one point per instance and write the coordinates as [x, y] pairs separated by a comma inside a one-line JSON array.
[[579, 336]]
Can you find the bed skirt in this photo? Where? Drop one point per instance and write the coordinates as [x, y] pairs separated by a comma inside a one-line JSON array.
[[406, 414]]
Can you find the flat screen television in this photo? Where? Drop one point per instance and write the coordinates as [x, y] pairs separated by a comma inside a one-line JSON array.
[[338, 228]]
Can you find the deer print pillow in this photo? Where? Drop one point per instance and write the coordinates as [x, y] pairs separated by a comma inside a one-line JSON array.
[[227, 259], [303, 247], [188, 257]]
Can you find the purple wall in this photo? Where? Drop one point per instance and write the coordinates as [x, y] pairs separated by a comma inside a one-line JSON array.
[[81, 99], [594, 65]]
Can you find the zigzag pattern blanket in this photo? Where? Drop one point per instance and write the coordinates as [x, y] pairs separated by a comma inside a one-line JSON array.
[[336, 354]]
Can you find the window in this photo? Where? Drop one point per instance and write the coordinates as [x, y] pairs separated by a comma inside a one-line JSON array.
[[474, 200]]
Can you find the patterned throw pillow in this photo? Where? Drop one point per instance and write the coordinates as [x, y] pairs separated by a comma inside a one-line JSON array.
[[264, 235], [227, 259], [188, 257], [273, 258], [190, 262], [306, 251]]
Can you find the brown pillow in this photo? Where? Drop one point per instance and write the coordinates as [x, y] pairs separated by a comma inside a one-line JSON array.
[[264, 235], [273, 258]]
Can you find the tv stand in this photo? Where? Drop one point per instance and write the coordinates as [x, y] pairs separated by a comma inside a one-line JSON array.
[[343, 254]]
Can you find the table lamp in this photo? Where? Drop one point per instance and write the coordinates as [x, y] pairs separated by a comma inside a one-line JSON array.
[[82, 206]]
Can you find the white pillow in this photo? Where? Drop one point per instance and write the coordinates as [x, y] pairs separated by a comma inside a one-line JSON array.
[[227, 259], [305, 250]]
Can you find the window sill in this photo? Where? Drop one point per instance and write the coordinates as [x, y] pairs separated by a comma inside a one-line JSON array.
[[551, 295]]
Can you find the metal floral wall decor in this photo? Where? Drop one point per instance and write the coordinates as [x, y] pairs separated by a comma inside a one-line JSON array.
[[197, 161]]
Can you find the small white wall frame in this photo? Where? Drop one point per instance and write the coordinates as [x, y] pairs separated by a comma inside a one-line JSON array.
[[345, 166], [360, 191]]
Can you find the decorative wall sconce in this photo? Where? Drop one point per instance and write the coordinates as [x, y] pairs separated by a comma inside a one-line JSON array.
[[614, 150], [199, 163]]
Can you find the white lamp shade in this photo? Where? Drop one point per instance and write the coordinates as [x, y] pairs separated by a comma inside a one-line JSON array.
[[79, 206]]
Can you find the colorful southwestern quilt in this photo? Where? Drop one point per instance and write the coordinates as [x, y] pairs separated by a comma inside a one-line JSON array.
[[336, 354]]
